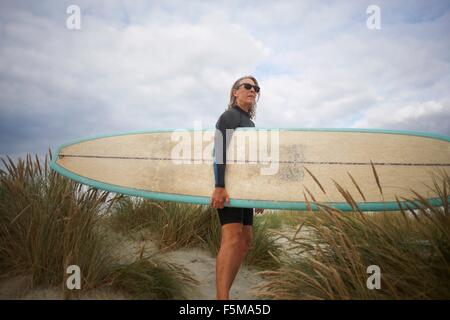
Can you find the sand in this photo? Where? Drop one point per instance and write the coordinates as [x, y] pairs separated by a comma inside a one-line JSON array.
[[200, 263]]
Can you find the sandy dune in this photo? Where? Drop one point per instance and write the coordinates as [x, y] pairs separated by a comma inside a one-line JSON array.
[[202, 266], [198, 262]]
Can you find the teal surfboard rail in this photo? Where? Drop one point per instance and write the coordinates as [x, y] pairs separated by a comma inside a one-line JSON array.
[[278, 205]]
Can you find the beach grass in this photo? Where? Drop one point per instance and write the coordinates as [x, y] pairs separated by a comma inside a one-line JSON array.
[[152, 279], [340, 256], [48, 223], [172, 225], [177, 225], [279, 219]]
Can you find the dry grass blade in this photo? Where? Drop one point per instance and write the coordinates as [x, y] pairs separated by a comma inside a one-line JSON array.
[[445, 197], [46, 165], [308, 205], [38, 165], [425, 203], [431, 217], [357, 186], [411, 207], [28, 166], [310, 194], [276, 258], [316, 180], [311, 280], [19, 214], [402, 211], [298, 230], [347, 197], [328, 209], [10, 167], [443, 193], [377, 179]]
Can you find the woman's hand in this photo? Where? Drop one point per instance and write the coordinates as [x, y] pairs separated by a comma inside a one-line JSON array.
[[219, 197], [259, 211]]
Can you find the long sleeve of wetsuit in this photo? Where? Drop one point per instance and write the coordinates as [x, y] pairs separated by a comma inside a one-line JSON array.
[[228, 120]]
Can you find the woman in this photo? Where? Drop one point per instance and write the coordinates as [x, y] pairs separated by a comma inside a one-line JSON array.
[[236, 223]]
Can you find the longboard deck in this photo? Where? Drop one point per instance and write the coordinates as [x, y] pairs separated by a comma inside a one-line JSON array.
[[145, 164]]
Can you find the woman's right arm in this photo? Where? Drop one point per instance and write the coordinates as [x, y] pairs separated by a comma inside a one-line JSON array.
[[225, 122]]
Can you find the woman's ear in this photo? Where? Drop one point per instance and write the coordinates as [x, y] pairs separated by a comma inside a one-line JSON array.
[[234, 92]]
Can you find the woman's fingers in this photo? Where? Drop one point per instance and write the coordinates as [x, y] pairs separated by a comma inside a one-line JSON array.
[[217, 204]]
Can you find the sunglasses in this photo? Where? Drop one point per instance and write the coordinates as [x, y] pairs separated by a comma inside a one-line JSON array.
[[249, 86]]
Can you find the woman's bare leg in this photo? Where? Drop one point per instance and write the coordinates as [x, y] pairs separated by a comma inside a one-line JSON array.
[[229, 258]]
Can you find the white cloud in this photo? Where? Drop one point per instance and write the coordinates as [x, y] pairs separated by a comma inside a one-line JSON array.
[[427, 116], [131, 71]]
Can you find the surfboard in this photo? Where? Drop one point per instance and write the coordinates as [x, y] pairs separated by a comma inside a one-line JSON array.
[[266, 168]]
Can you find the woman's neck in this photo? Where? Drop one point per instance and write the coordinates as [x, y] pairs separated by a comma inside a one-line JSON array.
[[246, 109]]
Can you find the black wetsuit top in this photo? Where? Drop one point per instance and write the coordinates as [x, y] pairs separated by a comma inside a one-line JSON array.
[[233, 118]]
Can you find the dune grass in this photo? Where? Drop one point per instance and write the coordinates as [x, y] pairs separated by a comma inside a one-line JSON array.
[[48, 223], [172, 225], [411, 248], [152, 279], [279, 219], [177, 225]]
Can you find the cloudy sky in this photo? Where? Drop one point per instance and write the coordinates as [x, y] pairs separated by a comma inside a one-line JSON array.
[[142, 64]]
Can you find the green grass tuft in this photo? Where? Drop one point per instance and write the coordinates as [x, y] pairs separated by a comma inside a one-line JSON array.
[[152, 279], [175, 225], [411, 248], [48, 222]]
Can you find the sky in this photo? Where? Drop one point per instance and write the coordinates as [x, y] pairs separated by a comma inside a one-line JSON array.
[[143, 65]]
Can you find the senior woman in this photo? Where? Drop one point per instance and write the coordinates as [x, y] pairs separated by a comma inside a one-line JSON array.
[[236, 223]]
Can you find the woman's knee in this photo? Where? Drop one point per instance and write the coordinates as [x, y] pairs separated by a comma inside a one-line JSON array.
[[236, 239], [232, 239]]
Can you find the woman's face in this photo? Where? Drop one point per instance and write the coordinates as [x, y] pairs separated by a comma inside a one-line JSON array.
[[245, 98]]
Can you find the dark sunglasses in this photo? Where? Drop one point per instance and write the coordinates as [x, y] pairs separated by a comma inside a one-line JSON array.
[[249, 86]]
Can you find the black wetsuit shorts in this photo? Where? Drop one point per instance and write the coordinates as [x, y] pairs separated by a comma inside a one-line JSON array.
[[236, 215]]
